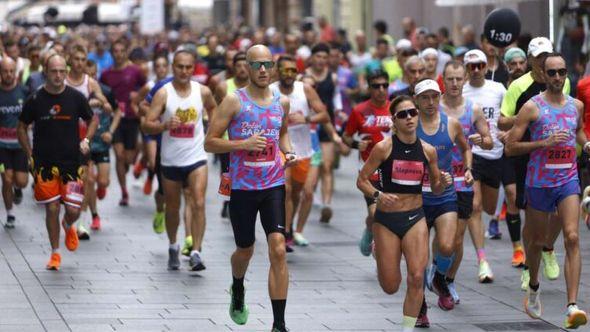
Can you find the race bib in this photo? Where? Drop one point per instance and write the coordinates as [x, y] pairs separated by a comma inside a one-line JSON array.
[[426, 182], [560, 157], [264, 158], [406, 172], [458, 171], [183, 131], [75, 191], [8, 133], [225, 185]]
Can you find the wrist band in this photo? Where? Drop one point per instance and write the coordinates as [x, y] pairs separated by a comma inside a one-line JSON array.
[[355, 145]]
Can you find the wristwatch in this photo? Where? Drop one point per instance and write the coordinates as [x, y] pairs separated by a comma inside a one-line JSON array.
[[376, 194]]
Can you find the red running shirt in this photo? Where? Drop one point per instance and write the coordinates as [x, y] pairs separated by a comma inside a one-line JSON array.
[[369, 121]]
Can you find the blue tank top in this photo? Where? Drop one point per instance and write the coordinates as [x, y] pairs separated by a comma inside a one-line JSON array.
[[443, 144], [466, 121]]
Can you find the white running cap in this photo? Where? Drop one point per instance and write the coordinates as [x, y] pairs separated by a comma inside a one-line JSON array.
[[426, 85]]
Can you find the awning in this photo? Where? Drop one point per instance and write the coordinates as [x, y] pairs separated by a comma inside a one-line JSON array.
[[451, 3]]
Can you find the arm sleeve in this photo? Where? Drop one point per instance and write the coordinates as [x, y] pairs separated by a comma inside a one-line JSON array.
[[26, 115]]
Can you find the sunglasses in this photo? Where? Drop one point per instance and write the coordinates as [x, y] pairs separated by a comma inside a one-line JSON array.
[[473, 66], [377, 86], [552, 72], [257, 64], [404, 114], [288, 71]]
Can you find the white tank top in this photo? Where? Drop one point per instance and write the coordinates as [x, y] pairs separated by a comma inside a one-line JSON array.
[[83, 88], [183, 146], [299, 134]]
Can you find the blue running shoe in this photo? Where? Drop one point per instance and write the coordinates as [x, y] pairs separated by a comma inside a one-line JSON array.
[[494, 231]]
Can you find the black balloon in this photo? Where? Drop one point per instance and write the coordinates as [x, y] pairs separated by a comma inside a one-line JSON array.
[[502, 27]]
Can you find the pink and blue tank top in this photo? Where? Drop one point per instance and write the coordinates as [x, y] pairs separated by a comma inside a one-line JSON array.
[[468, 127], [443, 144], [555, 165], [251, 170]]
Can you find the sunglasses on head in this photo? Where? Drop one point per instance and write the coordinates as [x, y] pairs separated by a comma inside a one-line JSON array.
[[257, 64], [376, 86], [552, 72], [473, 66], [404, 114]]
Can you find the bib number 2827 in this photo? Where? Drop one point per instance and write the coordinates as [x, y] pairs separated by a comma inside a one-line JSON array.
[[560, 158]]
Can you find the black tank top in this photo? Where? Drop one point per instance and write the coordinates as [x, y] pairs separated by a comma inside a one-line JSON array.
[[325, 90], [403, 170]]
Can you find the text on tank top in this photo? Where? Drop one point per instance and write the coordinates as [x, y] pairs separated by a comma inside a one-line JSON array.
[[403, 170], [443, 144], [468, 128], [183, 145], [257, 170], [555, 165]]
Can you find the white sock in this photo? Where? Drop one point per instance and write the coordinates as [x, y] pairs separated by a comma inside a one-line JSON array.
[[8, 212], [55, 251], [195, 251], [174, 246]]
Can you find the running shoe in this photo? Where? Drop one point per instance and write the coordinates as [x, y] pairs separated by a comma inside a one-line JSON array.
[[225, 210], [54, 262], [195, 262], [124, 200], [422, 321], [187, 246], [532, 303], [238, 309], [486, 275], [289, 245], [137, 169], [101, 193], [453, 291], [575, 317], [95, 223], [282, 328], [493, 230], [518, 258], [525, 278], [18, 196], [300, 240], [159, 224], [550, 266], [326, 215], [429, 276], [83, 233], [445, 300], [503, 212], [173, 259], [365, 242], [71, 239], [10, 221], [147, 186]]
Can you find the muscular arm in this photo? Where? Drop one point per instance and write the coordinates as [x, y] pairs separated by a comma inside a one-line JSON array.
[[320, 113], [152, 124], [505, 123], [481, 125], [208, 101], [92, 126], [460, 140], [97, 92], [219, 124], [580, 134], [379, 153], [23, 138], [117, 115], [514, 146], [433, 171], [143, 106], [220, 92], [284, 141]]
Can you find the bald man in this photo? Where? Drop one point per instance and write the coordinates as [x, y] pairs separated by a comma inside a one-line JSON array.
[[256, 119], [55, 157], [12, 96]]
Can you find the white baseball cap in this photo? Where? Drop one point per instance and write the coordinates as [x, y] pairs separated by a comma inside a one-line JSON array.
[[426, 85], [475, 56], [428, 51], [403, 43], [539, 45]]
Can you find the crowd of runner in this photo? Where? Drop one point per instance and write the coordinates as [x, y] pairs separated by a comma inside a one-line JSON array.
[[443, 134]]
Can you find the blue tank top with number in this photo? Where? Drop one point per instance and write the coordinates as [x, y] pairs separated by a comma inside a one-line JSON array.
[[443, 144], [553, 166], [466, 121], [250, 170]]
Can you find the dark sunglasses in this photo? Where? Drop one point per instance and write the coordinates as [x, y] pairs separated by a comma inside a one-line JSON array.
[[376, 86], [552, 72], [411, 112], [257, 64], [288, 71], [473, 66]]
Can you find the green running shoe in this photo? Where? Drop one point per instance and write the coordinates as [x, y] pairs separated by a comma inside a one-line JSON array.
[[188, 246], [525, 278], [237, 314], [550, 266], [365, 242], [159, 224]]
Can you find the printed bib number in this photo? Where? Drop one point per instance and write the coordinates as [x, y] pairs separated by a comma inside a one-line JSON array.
[[75, 191], [560, 157], [406, 172], [225, 185], [183, 131], [8, 133], [458, 171], [264, 158]]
